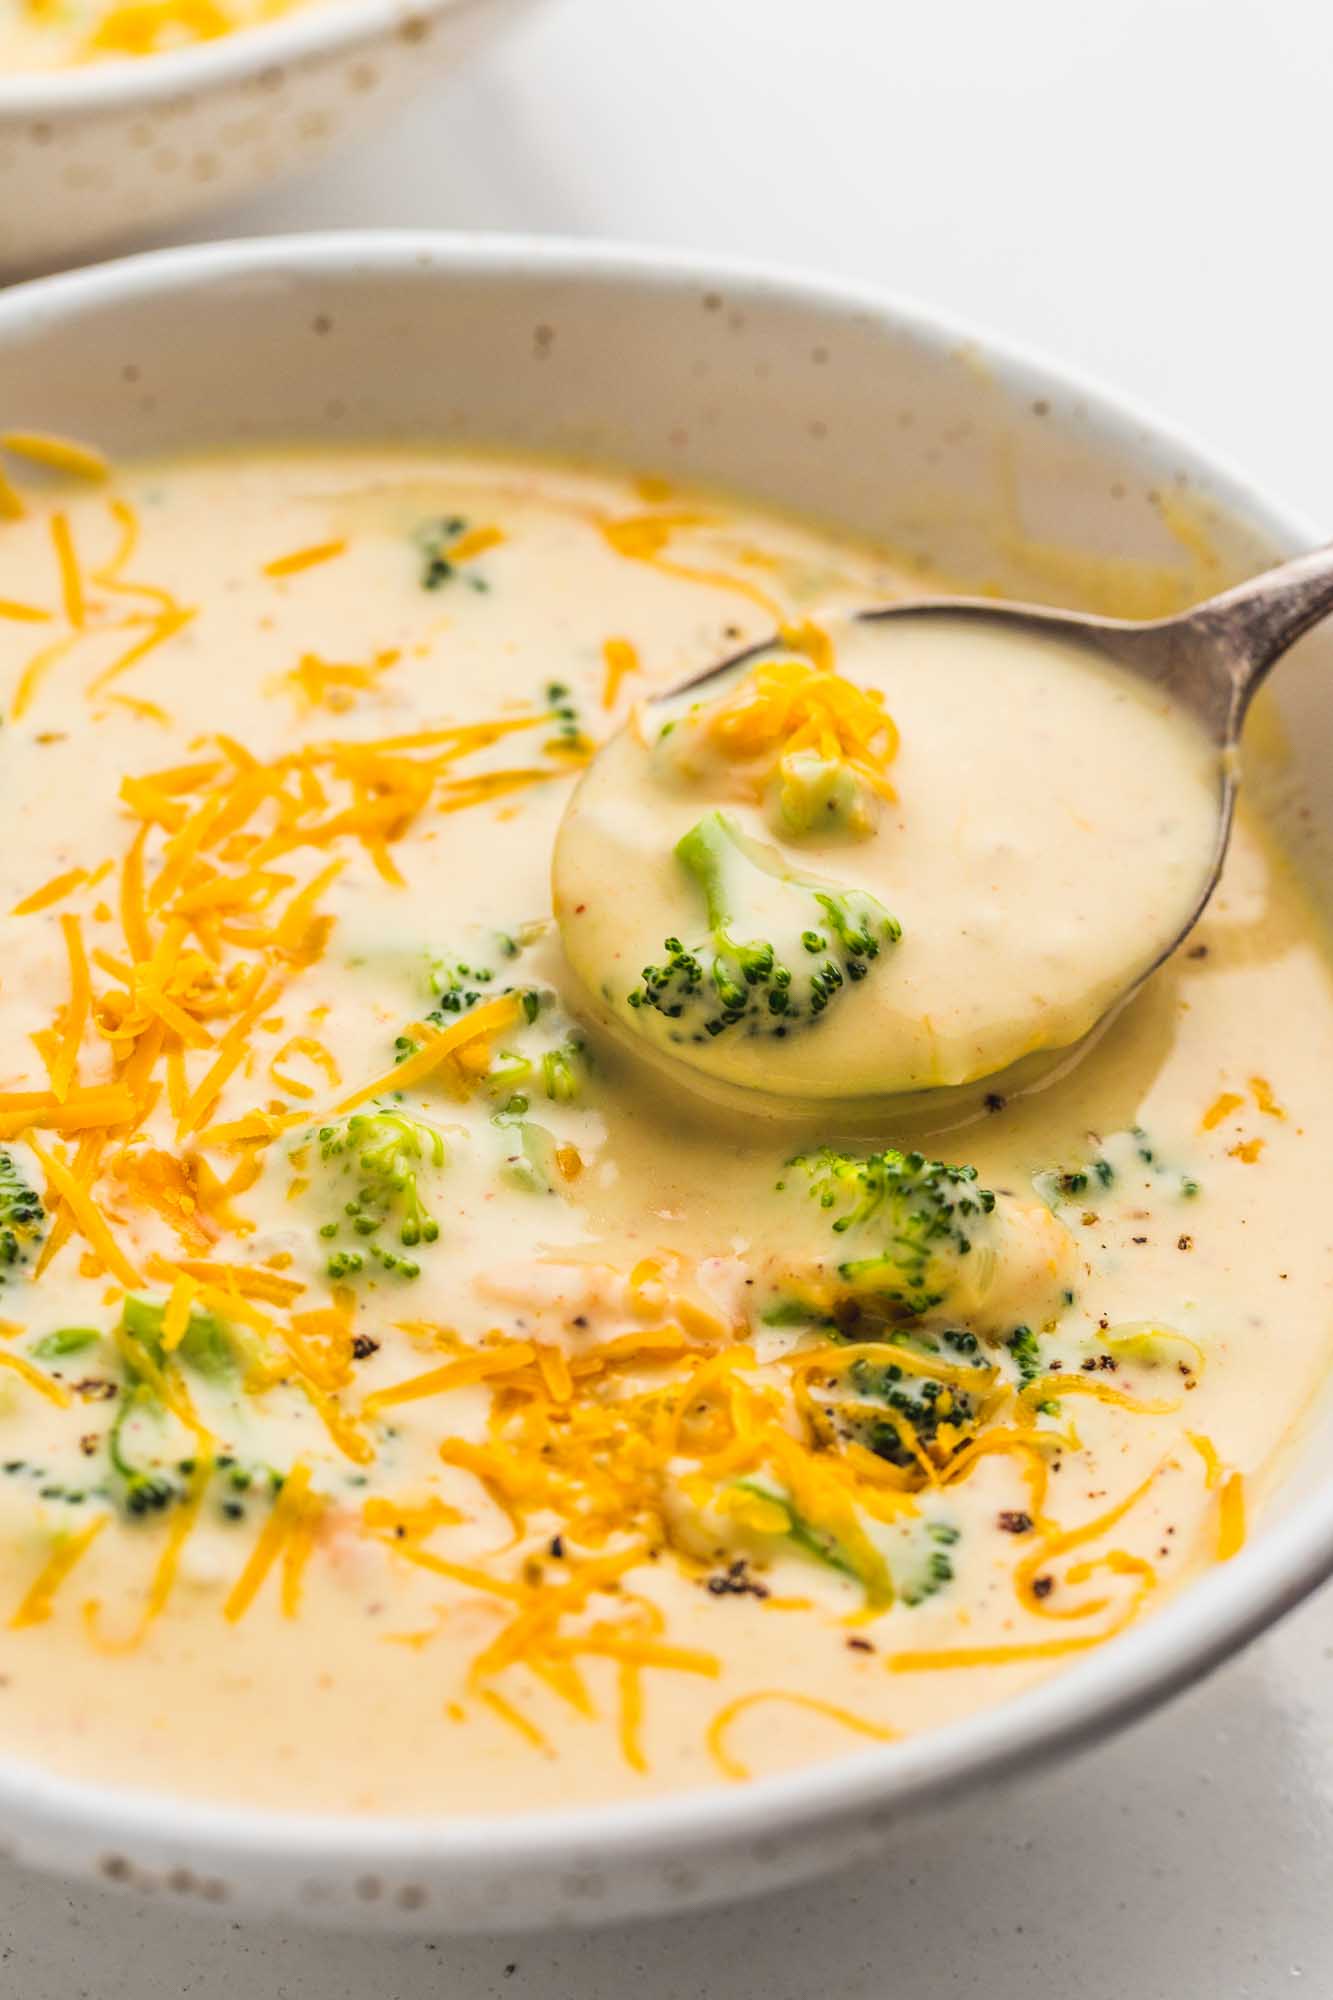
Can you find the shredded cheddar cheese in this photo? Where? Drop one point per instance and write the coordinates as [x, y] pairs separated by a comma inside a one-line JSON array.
[[36, 1604], [57, 454], [719, 1729]]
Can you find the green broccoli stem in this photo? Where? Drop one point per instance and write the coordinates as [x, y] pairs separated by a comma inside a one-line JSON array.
[[703, 852], [145, 1492]]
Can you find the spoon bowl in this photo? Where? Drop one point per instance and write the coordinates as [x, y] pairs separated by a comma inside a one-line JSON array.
[[1026, 927]]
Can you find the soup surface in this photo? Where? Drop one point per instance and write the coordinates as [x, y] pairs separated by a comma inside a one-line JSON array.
[[58, 34], [409, 1400]]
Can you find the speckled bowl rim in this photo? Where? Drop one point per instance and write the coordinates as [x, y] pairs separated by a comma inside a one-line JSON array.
[[1209, 1620], [131, 84]]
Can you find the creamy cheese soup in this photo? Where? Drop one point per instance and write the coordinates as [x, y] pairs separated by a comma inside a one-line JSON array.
[[412, 1402], [1010, 830], [56, 34]]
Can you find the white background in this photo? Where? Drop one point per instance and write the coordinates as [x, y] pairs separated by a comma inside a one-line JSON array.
[[1140, 187]]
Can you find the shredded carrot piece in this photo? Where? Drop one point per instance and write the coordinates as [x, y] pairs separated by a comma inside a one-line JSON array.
[[184, 1520], [1221, 1107], [1212, 1464], [630, 1684], [11, 501], [1230, 1489], [297, 1553], [454, 1375], [133, 916], [59, 454], [434, 1047], [176, 1318], [315, 1052], [620, 657], [166, 628], [287, 1510], [731, 1766], [50, 892], [507, 1712], [23, 614], [783, 707], [1261, 1090], [35, 1379], [67, 561], [645, 538], [475, 542], [262, 1125], [555, 1374], [83, 1110], [1047, 1387], [88, 1218], [35, 1606], [640, 1652], [183, 1524], [1060, 1544], [231, 1052], [299, 559], [36, 671], [250, 1281], [86, 1160], [77, 1011], [943, 1658], [1231, 1517]]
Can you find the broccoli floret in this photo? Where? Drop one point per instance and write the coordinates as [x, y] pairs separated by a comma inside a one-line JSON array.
[[1120, 1162], [1026, 1350], [145, 1491], [533, 1167], [756, 1518], [563, 1071], [818, 795], [804, 1535], [22, 1218], [922, 1403], [892, 1238], [776, 1519], [917, 1218], [569, 732], [457, 983], [824, 938], [382, 1152], [65, 1342], [441, 558], [930, 1566], [206, 1345]]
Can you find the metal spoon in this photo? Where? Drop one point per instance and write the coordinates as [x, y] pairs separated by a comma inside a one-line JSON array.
[[1210, 659]]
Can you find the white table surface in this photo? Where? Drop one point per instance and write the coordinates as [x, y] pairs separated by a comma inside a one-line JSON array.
[[1140, 187]]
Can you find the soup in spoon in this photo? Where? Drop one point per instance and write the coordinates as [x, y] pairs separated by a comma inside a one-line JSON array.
[[903, 857]]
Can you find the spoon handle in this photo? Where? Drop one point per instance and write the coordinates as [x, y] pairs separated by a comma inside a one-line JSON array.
[[1252, 625]]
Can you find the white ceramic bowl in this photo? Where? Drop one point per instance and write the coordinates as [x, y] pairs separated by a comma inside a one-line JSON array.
[[97, 155], [793, 390]]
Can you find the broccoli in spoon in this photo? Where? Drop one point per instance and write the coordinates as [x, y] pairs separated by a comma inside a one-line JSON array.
[[778, 947]]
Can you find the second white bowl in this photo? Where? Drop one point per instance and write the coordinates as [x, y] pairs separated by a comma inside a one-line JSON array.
[[100, 154]]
